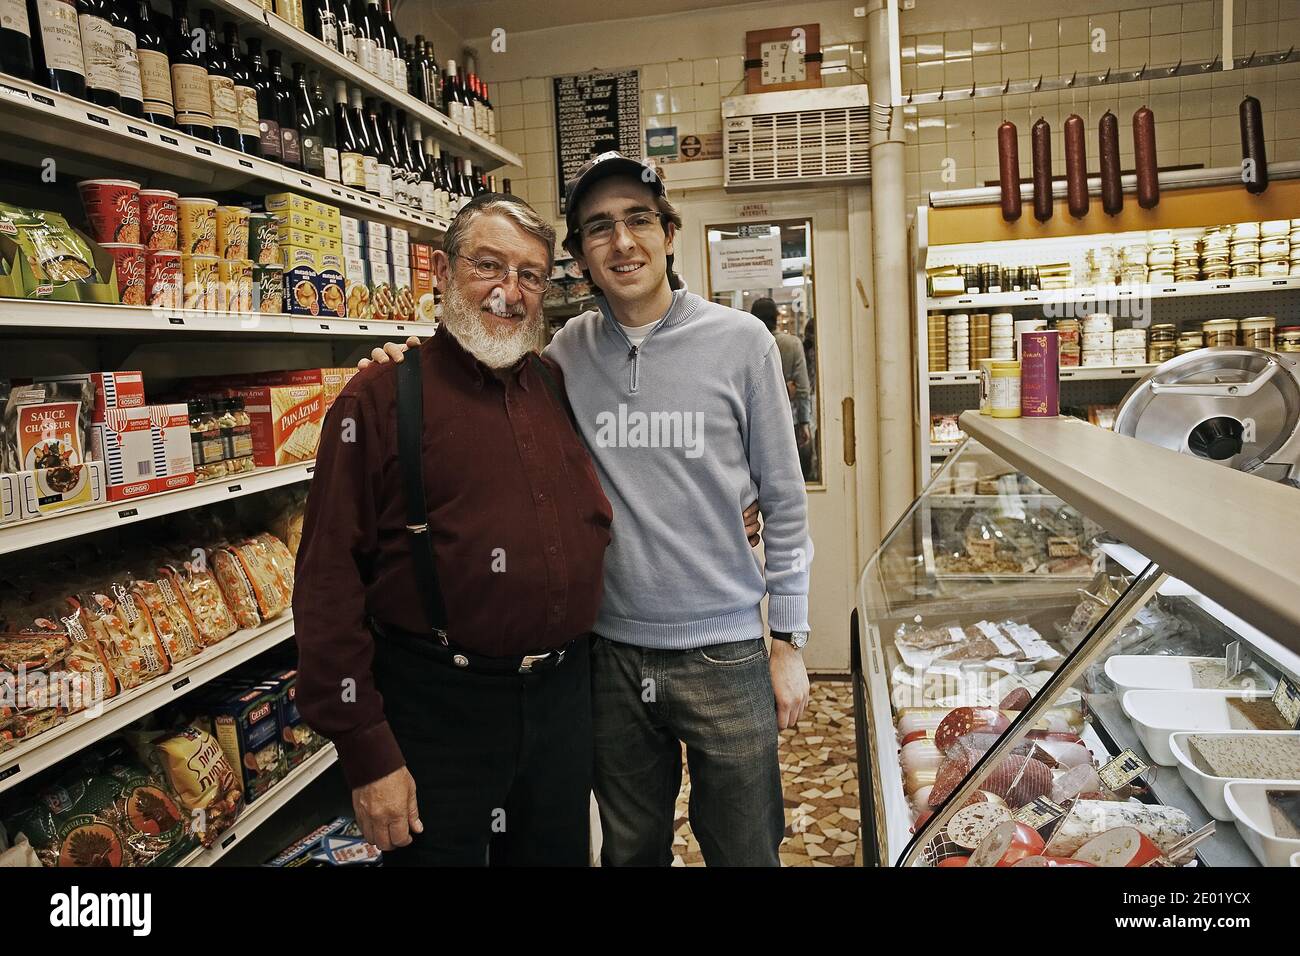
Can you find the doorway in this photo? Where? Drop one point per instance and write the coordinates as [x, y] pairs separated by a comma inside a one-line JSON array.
[[810, 229]]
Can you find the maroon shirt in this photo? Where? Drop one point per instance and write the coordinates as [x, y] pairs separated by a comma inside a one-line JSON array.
[[507, 482]]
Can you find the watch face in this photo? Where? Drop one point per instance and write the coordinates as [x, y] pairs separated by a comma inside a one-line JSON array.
[[799, 638], [783, 62]]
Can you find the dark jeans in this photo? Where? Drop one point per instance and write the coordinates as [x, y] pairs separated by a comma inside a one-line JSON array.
[[502, 762], [718, 701]]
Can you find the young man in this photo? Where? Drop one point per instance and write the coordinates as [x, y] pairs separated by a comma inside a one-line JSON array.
[[684, 408], [466, 739]]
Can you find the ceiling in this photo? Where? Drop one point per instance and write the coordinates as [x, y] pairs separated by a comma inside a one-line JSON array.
[[478, 18]]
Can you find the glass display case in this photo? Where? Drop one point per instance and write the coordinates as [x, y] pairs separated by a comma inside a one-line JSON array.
[[1079, 649]]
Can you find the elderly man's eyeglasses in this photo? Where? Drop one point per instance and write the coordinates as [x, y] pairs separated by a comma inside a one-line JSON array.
[[493, 270], [602, 230]]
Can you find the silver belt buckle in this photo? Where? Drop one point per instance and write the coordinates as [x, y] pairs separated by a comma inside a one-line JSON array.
[[442, 636], [526, 665]]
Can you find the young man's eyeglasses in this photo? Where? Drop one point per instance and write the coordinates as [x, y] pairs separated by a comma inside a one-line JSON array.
[[493, 270], [602, 230]]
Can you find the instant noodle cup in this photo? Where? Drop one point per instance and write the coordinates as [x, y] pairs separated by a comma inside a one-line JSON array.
[[232, 232], [263, 239], [164, 281], [128, 260], [198, 226], [201, 282], [112, 208], [268, 288], [236, 277], [159, 216]]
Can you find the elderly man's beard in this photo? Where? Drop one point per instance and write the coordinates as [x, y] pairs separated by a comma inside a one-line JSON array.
[[495, 345]]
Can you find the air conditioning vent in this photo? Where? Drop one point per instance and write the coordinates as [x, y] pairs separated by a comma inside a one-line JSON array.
[[802, 137]]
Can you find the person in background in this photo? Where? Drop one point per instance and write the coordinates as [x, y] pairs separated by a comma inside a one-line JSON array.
[[684, 406], [794, 368], [465, 740]]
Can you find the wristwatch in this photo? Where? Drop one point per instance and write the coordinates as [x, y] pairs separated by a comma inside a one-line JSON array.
[[796, 639]]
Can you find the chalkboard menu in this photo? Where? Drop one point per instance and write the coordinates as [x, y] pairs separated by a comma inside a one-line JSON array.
[[595, 112]]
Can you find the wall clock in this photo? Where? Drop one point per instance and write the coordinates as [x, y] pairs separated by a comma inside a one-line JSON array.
[[785, 58]]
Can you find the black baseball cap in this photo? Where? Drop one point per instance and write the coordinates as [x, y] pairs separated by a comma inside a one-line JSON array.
[[611, 163]]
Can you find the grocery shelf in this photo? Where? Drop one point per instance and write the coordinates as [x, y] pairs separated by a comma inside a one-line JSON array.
[[979, 501], [56, 122], [79, 731], [1111, 294], [262, 809], [33, 317], [296, 43], [1074, 373], [114, 514]]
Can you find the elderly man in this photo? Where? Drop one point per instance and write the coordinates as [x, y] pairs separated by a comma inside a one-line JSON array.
[[450, 573]]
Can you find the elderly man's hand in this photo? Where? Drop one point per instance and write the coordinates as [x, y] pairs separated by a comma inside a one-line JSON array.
[[392, 351], [387, 811]]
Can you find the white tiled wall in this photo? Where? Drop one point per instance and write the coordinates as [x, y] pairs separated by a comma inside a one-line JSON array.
[[1196, 117]]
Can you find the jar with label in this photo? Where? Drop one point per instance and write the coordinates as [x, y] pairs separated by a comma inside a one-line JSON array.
[[205, 441], [236, 435], [1004, 390], [1257, 332], [1288, 339]]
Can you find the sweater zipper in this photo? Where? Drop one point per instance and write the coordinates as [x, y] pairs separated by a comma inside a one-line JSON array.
[[634, 353]]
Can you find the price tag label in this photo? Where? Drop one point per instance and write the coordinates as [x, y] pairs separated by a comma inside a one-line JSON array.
[[1287, 701], [1038, 813], [10, 772], [137, 131], [1124, 769], [202, 150], [183, 682], [101, 120]]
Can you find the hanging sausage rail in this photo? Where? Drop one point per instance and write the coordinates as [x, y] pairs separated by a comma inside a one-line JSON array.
[[1111, 76]]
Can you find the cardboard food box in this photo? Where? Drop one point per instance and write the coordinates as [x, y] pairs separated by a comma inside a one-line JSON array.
[[403, 294], [350, 229], [421, 256], [9, 498], [333, 380], [292, 202], [145, 449], [376, 234], [299, 740], [47, 490], [301, 238], [247, 725], [354, 250], [42, 257], [286, 420], [333, 295], [286, 221]]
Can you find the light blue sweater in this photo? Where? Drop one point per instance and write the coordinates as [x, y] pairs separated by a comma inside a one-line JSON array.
[[686, 430]]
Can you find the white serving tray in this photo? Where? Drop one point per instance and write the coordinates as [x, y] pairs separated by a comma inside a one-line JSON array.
[[1249, 806], [1158, 672], [1158, 713], [1208, 789]]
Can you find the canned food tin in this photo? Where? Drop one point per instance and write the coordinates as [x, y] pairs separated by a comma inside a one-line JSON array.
[[232, 232], [164, 278], [268, 288], [198, 226], [201, 282], [159, 215], [128, 261], [112, 209], [263, 239]]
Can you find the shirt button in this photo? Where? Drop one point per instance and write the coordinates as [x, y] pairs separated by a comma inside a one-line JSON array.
[[541, 496], [553, 549]]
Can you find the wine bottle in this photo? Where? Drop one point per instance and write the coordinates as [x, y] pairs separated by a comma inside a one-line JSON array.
[[491, 131], [192, 96], [325, 23], [99, 48], [451, 96], [126, 60], [352, 159], [467, 188], [57, 58], [369, 149], [285, 114], [426, 190], [476, 102], [313, 150], [384, 164], [367, 56], [347, 29], [155, 67], [268, 117], [241, 74], [435, 78], [325, 128], [221, 88], [441, 198], [409, 157], [397, 67], [505, 187], [16, 40], [383, 62]]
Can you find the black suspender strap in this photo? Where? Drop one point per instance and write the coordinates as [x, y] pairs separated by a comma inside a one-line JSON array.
[[554, 387], [410, 430]]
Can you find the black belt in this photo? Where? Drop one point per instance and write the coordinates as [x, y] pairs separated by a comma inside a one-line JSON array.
[[437, 647]]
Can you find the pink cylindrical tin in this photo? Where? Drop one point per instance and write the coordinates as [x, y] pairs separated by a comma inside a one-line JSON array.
[[1040, 374]]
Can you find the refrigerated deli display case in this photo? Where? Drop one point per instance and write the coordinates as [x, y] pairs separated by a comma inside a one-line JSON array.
[[1079, 649]]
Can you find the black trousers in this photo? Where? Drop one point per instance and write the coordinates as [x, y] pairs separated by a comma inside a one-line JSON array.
[[502, 762]]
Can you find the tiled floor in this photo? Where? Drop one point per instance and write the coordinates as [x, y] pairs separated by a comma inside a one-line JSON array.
[[819, 770]]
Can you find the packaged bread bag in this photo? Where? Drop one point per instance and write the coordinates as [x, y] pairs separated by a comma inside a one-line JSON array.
[[192, 764], [197, 588]]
